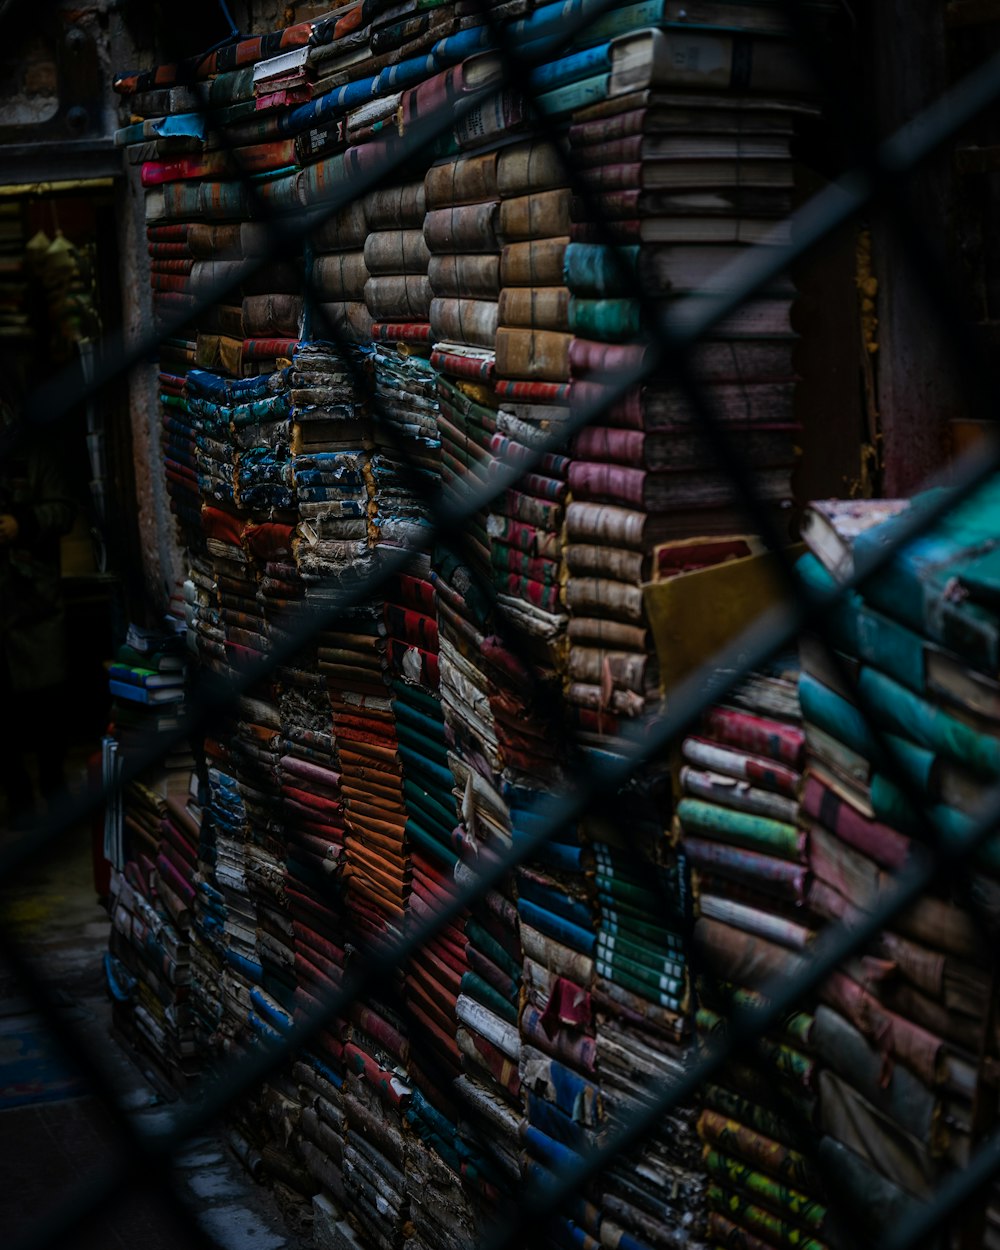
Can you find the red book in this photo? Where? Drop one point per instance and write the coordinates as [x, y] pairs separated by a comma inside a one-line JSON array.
[[171, 265], [757, 734], [414, 592], [534, 392], [268, 349], [401, 331], [153, 173], [622, 230], [169, 251], [879, 842], [477, 367], [176, 282], [620, 136], [597, 480], [587, 357], [626, 411], [173, 232]]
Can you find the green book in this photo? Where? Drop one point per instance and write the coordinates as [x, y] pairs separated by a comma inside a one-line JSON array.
[[756, 833]]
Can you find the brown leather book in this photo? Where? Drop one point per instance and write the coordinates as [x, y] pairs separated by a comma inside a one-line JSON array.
[[541, 355], [467, 180], [531, 167], [396, 251], [463, 228], [537, 308], [472, 275], [540, 215]]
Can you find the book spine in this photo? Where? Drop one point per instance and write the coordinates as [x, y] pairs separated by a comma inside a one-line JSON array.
[[533, 355], [470, 275], [538, 262], [538, 308], [396, 252], [400, 207], [468, 180], [464, 228], [621, 134], [340, 276], [397, 297], [540, 215], [599, 270], [464, 321]]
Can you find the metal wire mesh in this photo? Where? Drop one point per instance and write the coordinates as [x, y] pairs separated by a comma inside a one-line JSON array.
[[880, 175]]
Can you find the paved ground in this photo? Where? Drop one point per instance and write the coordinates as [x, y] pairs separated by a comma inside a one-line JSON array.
[[49, 1149]]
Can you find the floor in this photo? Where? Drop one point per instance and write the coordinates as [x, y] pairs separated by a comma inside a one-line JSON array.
[[55, 1136]]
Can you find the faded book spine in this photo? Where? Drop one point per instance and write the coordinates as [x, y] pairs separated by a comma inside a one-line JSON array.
[[541, 355], [464, 321], [540, 215], [528, 168], [537, 262], [396, 252], [465, 228], [396, 208], [345, 229], [340, 276], [468, 180], [398, 297], [538, 308], [476, 275]]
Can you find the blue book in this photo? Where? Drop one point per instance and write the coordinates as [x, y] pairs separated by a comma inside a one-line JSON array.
[[550, 20], [405, 74], [571, 69], [454, 48], [141, 694]]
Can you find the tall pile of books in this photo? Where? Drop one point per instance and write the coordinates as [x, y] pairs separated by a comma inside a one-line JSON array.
[[738, 825], [15, 311], [335, 365], [151, 841], [914, 651]]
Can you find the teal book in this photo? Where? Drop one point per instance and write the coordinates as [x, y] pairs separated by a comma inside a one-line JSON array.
[[621, 21], [607, 320], [928, 725], [491, 999], [914, 586], [872, 637], [594, 269], [126, 135], [575, 95], [839, 718]]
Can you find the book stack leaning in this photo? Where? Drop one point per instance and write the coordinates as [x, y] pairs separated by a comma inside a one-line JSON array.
[[903, 746]]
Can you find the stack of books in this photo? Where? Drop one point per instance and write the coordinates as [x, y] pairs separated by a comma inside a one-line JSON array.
[[179, 444], [15, 318], [312, 808], [643, 1022], [147, 681], [677, 185], [460, 230], [737, 821], [149, 965], [916, 652], [444, 322], [398, 297], [531, 377]]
